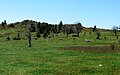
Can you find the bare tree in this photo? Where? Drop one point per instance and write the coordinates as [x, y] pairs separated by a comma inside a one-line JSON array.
[[29, 38]]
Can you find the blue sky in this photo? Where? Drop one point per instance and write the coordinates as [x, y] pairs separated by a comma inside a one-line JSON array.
[[103, 13]]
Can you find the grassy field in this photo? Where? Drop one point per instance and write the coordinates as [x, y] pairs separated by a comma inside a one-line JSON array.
[[56, 57]]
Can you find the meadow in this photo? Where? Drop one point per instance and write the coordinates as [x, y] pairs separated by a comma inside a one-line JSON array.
[[53, 56]]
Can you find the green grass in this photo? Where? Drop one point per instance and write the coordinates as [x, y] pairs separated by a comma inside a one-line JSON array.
[[47, 57]]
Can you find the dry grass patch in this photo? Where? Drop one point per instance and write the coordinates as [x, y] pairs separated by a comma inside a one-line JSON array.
[[93, 49]]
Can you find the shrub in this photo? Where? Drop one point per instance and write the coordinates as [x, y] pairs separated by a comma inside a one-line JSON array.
[[11, 25], [112, 46], [37, 35], [35, 38], [105, 37], [16, 38], [98, 35], [8, 38], [117, 37], [75, 36], [119, 40]]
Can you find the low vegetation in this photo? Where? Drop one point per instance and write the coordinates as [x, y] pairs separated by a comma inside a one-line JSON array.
[[54, 53]]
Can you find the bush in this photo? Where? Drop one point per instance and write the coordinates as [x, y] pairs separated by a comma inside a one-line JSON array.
[[35, 38], [105, 37], [38, 35], [117, 37], [119, 40], [98, 35], [16, 38], [112, 46], [8, 38]]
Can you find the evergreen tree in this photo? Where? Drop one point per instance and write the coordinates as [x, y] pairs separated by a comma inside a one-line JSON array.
[[60, 25], [5, 22], [94, 28], [3, 25]]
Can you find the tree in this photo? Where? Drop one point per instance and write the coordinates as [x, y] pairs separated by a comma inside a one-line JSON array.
[[55, 29], [45, 34], [43, 26], [38, 30], [65, 30], [32, 28], [3, 25], [29, 38], [60, 25], [71, 30], [37, 33], [18, 35], [94, 28], [79, 28], [38, 26], [11, 25], [98, 35], [115, 30], [5, 22], [8, 38]]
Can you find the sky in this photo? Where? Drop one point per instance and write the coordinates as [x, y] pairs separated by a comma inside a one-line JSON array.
[[102, 13]]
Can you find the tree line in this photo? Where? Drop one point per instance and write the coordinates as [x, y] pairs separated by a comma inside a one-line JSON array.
[[45, 28]]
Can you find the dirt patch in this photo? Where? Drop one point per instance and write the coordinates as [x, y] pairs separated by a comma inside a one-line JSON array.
[[98, 49]]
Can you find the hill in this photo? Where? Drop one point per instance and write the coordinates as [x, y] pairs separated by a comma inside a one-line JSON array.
[[60, 52]]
